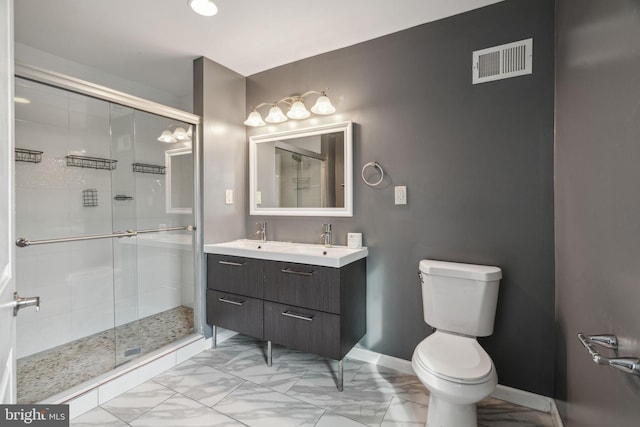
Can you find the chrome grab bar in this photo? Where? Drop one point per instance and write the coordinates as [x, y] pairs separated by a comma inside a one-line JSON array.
[[23, 242], [630, 365]]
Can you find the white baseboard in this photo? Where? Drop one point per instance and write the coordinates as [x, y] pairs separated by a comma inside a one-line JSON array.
[[555, 415], [502, 392]]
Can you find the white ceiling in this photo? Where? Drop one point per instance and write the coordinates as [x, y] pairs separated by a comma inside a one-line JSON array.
[[155, 41]]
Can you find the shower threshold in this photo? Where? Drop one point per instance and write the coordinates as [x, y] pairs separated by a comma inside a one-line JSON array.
[[52, 371]]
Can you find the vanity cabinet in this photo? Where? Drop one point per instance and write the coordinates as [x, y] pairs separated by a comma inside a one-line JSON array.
[[317, 309]]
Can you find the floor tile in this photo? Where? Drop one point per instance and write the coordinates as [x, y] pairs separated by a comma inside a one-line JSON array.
[[498, 413], [258, 406], [138, 400], [366, 406], [184, 412], [333, 420], [403, 413], [199, 382], [392, 383], [252, 367], [97, 417]]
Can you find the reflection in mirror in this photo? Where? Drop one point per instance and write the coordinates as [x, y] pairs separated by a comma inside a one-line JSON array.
[[179, 175], [302, 172]]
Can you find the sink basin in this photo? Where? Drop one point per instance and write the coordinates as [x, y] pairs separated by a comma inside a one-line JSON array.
[[335, 256], [246, 244]]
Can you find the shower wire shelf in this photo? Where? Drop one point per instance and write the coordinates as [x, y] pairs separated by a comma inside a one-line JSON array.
[[149, 168], [30, 156], [91, 162]]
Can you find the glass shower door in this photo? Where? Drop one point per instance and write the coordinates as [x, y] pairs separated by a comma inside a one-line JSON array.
[[153, 270]]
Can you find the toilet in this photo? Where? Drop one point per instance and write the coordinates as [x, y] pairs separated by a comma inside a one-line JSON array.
[[459, 301]]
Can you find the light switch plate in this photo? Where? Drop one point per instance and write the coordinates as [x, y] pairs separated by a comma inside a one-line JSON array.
[[401, 195], [228, 197]]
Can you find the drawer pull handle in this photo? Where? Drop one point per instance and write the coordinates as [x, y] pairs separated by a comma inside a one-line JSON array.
[[231, 301], [301, 273], [297, 316], [235, 264]]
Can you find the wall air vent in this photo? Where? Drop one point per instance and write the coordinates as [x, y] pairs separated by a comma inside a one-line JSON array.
[[504, 61]]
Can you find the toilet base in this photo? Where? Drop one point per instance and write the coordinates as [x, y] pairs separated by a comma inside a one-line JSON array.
[[443, 413]]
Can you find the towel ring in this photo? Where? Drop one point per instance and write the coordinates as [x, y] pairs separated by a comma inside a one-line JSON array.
[[375, 165]]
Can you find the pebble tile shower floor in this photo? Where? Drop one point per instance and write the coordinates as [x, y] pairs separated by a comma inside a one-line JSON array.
[[233, 386], [52, 371]]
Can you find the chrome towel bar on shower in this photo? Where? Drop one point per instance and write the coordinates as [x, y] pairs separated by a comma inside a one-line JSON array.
[[630, 365], [23, 242]]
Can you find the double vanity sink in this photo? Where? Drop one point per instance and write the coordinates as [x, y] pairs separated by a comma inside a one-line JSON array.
[[333, 256], [308, 297]]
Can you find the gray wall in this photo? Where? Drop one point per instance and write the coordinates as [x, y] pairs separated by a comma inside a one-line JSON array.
[[478, 164], [597, 205], [219, 98]]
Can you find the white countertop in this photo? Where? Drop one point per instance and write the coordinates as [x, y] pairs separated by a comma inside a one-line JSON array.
[[302, 253]]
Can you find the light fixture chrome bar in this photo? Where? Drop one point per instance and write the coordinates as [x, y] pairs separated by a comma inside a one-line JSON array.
[[629, 365], [23, 242]]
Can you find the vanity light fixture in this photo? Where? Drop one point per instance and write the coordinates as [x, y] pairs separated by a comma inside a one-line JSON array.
[[297, 109], [203, 7], [179, 134]]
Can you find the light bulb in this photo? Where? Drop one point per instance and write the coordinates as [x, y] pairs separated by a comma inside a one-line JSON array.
[[180, 134], [203, 7], [275, 115], [323, 106], [298, 111], [254, 119]]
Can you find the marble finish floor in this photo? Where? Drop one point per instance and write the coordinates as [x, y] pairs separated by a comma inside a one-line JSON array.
[[52, 371], [233, 386]]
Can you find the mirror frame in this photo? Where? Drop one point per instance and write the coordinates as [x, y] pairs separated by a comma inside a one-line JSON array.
[[168, 155], [346, 211]]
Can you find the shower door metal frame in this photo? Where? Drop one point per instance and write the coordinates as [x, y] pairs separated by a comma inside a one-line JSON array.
[[72, 84]]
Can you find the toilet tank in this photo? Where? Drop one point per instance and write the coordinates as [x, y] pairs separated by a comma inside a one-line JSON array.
[[459, 297]]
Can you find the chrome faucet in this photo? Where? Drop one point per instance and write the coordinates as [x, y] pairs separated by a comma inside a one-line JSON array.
[[326, 235], [262, 231]]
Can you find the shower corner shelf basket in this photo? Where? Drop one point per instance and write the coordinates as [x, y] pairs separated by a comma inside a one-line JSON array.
[[147, 168], [30, 156], [91, 162]]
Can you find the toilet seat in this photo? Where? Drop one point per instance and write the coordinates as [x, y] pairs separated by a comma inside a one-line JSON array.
[[454, 358]]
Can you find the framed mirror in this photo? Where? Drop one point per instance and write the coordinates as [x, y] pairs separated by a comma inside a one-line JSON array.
[[302, 172], [179, 180]]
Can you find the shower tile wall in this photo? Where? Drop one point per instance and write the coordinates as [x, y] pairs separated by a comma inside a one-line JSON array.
[[76, 280]]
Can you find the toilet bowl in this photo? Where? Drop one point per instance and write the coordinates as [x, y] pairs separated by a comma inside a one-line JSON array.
[[459, 300], [457, 375]]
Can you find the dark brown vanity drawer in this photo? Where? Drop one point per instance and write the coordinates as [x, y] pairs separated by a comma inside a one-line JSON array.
[[303, 285], [235, 312], [242, 276], [303, 329]]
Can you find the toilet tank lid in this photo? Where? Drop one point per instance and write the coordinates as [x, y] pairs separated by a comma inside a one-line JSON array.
[[463, 271]]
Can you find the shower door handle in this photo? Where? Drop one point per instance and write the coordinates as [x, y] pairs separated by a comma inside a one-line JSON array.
[[20, 302]]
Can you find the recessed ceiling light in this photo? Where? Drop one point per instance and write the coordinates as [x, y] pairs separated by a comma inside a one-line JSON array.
[[21, 100], [203, 7]]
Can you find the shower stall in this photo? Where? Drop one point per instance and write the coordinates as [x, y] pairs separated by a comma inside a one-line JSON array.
[[106, 196]]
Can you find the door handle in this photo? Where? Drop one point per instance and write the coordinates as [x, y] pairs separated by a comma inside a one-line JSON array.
[[20, 303]]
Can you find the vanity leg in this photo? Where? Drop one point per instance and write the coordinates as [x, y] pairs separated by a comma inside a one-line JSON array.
[[215, 337], [269, 353], [340, 375]]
